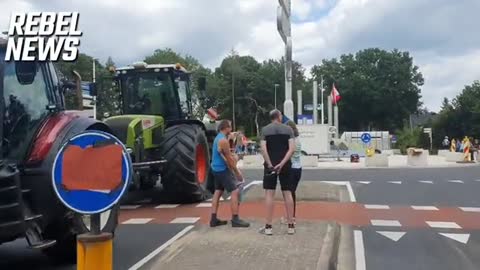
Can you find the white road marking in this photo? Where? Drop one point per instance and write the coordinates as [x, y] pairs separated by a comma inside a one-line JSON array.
[[460, 237], [395, 236], [359, 251], [395, 182], [256, 182], [387, 223], [456, 181], [338, 183], [376, 206], [426, 182], [350, 192], [129, 207], [166, 206], [443, 225], [185, 220], [426, 208], [138, 221], [204, 205], [364, 182], [470, 209], [154, 253], [343, 183]]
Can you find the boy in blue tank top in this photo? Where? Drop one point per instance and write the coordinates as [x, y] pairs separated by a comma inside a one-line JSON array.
[[224, 167]]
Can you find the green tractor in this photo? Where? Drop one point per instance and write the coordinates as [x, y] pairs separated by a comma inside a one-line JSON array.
[[156, 124]]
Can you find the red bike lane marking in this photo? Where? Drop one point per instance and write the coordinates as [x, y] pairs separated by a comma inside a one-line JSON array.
[[354, 214]]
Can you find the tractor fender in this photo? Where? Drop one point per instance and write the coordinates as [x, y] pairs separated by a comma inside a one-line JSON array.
[[209, 131], [38, 178]]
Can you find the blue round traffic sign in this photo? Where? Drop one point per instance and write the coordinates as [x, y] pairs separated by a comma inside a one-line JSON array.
[[91, 172], [366, 137]]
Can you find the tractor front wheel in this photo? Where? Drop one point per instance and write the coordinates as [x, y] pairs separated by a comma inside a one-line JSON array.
[[186, 150]]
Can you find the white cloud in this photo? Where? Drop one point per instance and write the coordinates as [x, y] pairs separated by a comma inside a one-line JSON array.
[[440, 34]]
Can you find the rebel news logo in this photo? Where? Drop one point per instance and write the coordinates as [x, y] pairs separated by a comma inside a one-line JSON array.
[[40, 36]]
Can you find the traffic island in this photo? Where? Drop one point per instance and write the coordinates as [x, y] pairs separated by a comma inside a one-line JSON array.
[[314, 245]]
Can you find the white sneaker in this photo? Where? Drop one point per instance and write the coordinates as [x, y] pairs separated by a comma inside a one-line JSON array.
[[266, 231], [291, 229]]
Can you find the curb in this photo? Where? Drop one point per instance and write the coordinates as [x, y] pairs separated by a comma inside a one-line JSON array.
[[345, 255], [329, 252]]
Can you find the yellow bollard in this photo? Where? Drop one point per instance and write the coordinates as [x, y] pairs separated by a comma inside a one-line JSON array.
[[94, 252]]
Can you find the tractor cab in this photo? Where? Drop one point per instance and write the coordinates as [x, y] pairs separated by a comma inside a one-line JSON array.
[[162, 90]]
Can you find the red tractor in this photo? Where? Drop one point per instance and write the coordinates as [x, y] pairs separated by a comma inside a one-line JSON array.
[[35, 125]]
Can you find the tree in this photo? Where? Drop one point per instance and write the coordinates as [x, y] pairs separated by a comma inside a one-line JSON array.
[[461, 117], [379, 89]]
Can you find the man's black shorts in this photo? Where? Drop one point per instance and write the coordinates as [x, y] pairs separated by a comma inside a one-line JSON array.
[[225, 180], [270, 180]]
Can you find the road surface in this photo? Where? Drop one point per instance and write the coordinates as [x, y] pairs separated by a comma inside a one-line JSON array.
[[403, 219]]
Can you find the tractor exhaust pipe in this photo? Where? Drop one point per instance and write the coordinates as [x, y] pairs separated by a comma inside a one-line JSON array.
[[78, 90]]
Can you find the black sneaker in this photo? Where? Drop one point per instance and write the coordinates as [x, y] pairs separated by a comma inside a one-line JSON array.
[[240, 223], [217, 222]]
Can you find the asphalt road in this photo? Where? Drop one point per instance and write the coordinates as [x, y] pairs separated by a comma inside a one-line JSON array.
[[384, 247], [391, 247], [131, 244]]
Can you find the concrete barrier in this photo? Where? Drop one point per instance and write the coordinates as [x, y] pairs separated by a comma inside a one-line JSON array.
[[454, 156], [397, 151], [417, 157], [443, 152], [388, 152], [309, 161], [377, 160], [253, 161]]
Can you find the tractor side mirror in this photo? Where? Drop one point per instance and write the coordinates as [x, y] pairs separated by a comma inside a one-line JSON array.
[[26, 72]]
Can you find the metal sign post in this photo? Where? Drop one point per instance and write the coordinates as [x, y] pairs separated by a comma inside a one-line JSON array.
[[285, 31], [90, 174]]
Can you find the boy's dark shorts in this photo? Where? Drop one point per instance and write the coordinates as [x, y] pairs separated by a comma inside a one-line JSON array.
[[225, 180], [270, 180]]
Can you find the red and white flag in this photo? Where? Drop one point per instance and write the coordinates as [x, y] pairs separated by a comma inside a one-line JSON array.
[[335, 95]]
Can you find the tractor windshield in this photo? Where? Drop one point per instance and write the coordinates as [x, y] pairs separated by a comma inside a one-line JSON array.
[[25, 105], [150, 93]]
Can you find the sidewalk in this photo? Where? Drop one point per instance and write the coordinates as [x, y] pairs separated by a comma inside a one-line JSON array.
[[314, 246]]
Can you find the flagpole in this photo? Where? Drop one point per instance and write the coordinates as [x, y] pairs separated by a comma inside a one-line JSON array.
[[321, 101]]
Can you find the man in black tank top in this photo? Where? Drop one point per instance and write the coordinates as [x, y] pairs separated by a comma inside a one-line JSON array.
[[278, 145]]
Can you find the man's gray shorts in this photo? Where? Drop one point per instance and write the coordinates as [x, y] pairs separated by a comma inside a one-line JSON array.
[[225, 180]]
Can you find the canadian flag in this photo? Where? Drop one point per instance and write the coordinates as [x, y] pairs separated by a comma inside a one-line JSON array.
[[335, 95]]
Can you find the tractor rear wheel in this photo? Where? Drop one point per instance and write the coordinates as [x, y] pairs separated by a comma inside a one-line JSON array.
[[186, 150]]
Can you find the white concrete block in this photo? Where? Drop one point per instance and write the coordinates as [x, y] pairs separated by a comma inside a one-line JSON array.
[[309, 161], [453, 156], [377, 160], [417, 157], [388, 152], [252, 161], [443, 152]]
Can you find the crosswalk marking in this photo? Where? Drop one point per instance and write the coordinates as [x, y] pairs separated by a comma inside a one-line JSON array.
[[364, 182], [395, 182], [207, 204], [443, 225], [138, 221], [426, 181], [386, 223], [470, 209], [456, 181], [129, 207], [376, 206], [426, 208], [166, 206], [185, 220]]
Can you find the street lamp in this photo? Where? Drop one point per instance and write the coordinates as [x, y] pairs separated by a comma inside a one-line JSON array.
[[276, 85]]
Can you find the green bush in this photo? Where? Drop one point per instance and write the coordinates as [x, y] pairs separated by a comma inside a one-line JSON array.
[[409, 138]]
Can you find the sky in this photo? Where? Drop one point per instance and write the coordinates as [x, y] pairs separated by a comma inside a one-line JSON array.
[[441, 35]]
